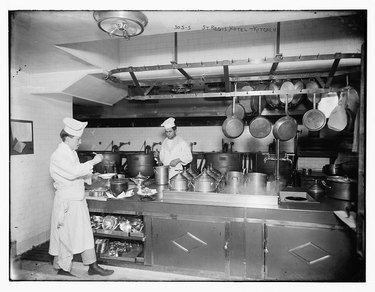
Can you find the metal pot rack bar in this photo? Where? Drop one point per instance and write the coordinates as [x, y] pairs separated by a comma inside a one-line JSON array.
[[231, 94], [276, 59]]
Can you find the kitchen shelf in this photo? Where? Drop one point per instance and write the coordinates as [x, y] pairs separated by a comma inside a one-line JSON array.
[[139, 236], [131, 256]]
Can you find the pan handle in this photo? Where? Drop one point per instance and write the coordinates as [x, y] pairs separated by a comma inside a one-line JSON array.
[[234, 99], [325, 185]]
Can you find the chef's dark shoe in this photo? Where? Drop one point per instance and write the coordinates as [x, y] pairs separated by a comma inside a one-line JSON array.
[[64, 273], [97, 270]]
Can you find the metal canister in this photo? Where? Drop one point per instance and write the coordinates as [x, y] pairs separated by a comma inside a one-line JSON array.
[[234, 178], [256, 182], [161, 175]]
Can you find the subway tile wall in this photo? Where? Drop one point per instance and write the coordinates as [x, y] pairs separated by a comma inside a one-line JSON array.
[[31, 187]]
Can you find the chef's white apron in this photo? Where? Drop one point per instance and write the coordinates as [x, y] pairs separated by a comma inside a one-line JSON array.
[[71, 231]]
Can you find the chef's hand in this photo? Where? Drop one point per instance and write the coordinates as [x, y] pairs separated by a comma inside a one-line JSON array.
[[156, 154], [174, 162], [97, 159], [95, 176]]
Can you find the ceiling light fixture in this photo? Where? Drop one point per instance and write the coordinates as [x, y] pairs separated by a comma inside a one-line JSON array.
[[124, 24]]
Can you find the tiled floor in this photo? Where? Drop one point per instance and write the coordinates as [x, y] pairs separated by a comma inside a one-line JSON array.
[[30, 270]]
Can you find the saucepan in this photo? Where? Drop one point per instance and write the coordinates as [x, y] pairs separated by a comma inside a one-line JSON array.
[[233, 126], [273, 100], [260, 127], [314, 119], [285, 128]]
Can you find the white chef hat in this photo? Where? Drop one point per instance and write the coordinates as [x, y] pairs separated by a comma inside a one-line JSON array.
[[168, 123], [74, 127]]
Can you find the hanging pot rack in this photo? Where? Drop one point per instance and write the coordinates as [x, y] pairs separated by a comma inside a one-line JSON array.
[[142, 94]]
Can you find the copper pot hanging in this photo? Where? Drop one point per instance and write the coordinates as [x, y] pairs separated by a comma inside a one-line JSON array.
[[285, 128], [260, 127], [314, 119], [313, 86], [233, 127], [293, 99], [273, 100]]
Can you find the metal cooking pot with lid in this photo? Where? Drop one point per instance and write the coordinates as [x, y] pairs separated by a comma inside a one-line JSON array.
[[204, 183], [333, 169], [224, 162], [111, 162], [178, 183], [256, 182], [341, 188], [234, 178], [118, 185], [140, 163]]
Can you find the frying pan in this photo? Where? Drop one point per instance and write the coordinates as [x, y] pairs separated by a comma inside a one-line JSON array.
[[285, 128], [297, 97], [233, 127], [293, 99], [314, 119], [260, 127], [273, 100], [239, 111], [313, 85], [254, 100]]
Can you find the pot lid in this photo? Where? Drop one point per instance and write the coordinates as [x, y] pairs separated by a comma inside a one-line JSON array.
[[179, 177], [204, 177]]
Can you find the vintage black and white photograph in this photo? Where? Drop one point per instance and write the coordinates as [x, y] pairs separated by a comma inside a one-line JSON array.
[[202, 145]]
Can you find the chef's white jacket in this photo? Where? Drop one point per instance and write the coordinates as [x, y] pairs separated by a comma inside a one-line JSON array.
[[172, 149], [70, 206]]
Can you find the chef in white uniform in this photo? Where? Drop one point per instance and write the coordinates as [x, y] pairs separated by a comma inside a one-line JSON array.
[[71, 231], [175, 151]]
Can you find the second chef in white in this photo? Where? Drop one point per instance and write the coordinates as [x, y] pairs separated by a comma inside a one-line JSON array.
[[175, 151]]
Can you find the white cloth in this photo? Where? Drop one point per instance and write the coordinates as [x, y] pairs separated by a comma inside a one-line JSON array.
[[173, 149], [328, 102], [74, 127], [70, 222], [168, 123]]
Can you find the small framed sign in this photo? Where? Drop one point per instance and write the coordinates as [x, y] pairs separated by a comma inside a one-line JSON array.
[[21, 137]]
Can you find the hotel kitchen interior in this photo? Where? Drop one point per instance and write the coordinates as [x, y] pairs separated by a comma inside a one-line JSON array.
[[271, 104]]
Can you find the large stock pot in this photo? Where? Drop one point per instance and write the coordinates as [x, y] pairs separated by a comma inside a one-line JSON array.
[[224, 162]]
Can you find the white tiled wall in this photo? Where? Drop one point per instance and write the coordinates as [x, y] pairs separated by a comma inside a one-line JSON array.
[[30, 184]]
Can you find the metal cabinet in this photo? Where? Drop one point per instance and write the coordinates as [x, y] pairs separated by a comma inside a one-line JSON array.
[[308, 253], [190, 244], [231, 249]]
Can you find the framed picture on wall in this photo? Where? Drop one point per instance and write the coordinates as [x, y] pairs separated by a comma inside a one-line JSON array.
[[21, 137]]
